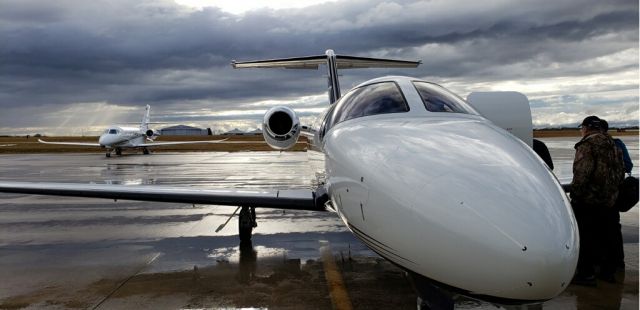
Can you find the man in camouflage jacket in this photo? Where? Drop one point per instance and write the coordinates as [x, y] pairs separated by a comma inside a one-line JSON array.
[[597, 173]]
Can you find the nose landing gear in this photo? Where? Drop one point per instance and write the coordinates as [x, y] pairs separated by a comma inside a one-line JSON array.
[[430, 296], [246, 223]]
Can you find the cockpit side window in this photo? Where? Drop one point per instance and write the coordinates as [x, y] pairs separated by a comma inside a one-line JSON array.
[[372, 99], [437, 99], [113, 131], [324, 126]]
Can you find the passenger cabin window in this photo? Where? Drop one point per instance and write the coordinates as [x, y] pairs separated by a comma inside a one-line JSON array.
[[437, 99], [113, 131], [373, 99]]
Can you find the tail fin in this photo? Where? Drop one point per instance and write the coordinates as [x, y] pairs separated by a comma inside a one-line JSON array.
[[144, 125], [333, 62]]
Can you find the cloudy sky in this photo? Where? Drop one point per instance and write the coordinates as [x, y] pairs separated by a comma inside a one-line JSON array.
[[73, 67]]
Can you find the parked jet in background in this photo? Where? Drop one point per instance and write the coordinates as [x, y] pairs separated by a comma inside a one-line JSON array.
[[116, 138]]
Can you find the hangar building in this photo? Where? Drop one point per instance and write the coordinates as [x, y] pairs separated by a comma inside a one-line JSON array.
[[183, 130]]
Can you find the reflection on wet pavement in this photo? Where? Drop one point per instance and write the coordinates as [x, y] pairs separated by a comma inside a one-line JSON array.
[[59, 252]]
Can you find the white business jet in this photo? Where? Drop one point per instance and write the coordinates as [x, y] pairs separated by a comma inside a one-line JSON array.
[[116, 138], [421, 177]]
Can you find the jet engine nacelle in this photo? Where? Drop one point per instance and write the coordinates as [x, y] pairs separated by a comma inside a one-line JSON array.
[[151, 134], [281, 128]]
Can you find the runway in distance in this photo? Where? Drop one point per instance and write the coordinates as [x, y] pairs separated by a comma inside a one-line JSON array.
[[421, 177], [116, 138]]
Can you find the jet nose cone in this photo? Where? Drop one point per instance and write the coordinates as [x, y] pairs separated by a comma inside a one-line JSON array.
[[512, 215], [475, 208]]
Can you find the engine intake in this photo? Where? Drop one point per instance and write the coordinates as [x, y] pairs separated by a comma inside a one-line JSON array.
[[151, 134], [281, 128]]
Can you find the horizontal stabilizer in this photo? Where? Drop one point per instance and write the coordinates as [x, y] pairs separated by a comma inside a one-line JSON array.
[[332, 61], [312, 62]]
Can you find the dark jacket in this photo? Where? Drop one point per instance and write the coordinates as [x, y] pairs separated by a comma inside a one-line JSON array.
[[597, 171], [628, 164]]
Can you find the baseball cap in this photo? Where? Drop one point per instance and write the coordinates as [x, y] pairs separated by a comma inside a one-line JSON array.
[[591, 122]]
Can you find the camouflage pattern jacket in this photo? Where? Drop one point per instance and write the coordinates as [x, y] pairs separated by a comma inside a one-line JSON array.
[[598, 171]]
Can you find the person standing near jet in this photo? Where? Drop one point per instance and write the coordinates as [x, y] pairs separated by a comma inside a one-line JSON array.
[[615, 240], [597, 173], [628, 164]]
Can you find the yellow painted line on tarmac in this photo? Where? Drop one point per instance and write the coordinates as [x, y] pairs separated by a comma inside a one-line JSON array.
[[337, 290]]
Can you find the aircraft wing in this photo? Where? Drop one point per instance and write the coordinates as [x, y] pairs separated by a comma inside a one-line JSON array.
[[295, 199], [312, 62], [179, 142], [69, 143]]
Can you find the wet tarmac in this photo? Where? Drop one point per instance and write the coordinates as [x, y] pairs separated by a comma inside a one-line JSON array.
[[61, 253]]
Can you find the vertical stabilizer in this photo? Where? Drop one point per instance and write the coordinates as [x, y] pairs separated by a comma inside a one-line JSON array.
[[144, 125], [332, 76]]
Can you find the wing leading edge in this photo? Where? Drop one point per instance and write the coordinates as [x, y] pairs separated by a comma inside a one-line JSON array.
[[298, 199], [69, 143]]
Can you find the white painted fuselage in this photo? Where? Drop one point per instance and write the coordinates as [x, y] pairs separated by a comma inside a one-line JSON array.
[[454, 198], [122, 137]]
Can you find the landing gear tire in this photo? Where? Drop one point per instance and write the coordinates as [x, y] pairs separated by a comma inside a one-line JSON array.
[[145, 151], [108, 154], [430, 296], [246, 223], [118, 151]]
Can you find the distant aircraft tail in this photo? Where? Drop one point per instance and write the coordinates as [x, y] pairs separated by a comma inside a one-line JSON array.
[[144, 125], [333, 62]]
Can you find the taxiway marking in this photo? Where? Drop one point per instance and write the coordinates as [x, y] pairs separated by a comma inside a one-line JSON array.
[[337, 290]]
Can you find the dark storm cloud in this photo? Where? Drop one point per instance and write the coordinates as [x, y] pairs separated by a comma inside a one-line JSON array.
[[157, 52]]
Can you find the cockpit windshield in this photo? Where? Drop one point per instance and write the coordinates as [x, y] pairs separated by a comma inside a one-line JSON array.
[[437, 99], [373, 99], [113, 131]]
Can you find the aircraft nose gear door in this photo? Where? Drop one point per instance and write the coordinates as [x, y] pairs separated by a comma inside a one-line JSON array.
[[246, 223]]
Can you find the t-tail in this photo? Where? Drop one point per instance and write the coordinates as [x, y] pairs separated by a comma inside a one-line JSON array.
[[144, 125], [333, 62]]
